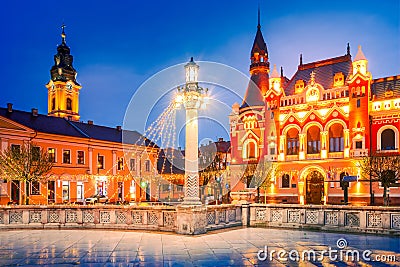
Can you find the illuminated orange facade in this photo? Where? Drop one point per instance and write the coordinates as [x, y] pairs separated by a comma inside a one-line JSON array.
[[316, 126], [88, 159]]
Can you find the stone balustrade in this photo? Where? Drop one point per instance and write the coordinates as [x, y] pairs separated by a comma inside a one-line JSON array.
[[366, 219], [157, 218], [223, 216]]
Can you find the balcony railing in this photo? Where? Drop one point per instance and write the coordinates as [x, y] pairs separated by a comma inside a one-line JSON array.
[[313, 156], [292, 157], [335, 155]]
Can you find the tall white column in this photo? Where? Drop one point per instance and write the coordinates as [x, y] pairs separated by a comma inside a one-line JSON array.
[[191, 157]]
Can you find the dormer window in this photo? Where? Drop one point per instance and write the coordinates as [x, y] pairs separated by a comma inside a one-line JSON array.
[[299, 86], [338, 79]]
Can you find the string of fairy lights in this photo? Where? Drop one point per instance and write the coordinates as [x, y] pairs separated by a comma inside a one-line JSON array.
[[162, 129]]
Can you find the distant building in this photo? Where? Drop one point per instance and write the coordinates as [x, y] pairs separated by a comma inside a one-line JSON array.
[[315, 125]]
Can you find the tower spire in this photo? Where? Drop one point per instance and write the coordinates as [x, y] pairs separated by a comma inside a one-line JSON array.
[[63, 35], [258, 24]]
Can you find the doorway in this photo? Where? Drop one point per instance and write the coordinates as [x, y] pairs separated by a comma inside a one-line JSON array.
[[51, 195], [15, 189], [120, 191], [314, 188]]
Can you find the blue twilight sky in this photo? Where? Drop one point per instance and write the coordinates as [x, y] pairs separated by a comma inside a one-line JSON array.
[[118, 45]]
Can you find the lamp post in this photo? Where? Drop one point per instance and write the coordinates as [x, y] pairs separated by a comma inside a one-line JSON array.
[[193, 97]]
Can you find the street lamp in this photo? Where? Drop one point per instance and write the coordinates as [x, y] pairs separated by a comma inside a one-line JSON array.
[[192, 97]]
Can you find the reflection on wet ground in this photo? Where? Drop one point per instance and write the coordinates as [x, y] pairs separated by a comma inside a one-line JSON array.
[[237, 247]]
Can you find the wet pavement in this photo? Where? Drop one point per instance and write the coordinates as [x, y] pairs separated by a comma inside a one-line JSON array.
[[235, 247]]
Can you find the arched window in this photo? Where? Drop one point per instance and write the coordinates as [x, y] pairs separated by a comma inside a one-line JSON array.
[[388, 140], [313, 140], [285, 181], [53, 103], [292, 142], [69, 104], [336, 140]]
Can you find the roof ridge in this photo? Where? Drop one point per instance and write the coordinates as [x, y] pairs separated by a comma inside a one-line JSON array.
[[77, 128], [324, 62]]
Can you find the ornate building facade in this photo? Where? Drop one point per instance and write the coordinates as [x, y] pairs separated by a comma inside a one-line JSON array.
[[315, 126]]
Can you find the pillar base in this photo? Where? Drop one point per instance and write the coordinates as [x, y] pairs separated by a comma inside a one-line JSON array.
[[191, 219], [191, 201]]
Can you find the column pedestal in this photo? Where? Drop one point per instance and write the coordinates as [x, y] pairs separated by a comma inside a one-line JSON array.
[[191, 219]]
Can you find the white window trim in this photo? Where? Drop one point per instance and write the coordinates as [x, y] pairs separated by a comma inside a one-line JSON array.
[[245, 147]]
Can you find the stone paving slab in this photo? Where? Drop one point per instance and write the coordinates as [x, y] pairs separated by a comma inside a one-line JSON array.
[[237, 247]]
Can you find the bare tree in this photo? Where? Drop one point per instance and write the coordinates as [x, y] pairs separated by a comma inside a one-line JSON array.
[[260, 175], [383, 168], [27, 164]]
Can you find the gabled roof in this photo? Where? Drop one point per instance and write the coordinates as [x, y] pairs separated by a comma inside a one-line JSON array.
[[61, 126], [382, 85], [324, 72]]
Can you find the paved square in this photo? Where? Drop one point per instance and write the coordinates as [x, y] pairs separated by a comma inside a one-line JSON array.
[[236, 247]]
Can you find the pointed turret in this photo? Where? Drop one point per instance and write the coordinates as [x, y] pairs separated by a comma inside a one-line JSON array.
[[259, 51], [259, 70], [360, 63], [360, 55], [275, 80]]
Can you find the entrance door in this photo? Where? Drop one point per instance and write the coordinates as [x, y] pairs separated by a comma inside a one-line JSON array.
[[15, 189], [120, 191], [51, 188], [315, 188]]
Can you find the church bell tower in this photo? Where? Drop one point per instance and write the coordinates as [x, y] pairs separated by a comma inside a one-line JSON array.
[[63, 89]]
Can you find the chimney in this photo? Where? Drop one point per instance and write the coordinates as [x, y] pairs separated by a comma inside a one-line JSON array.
[[90, 122], [34, 112], [221, 139], [179, 148], [119, 128], [9, 107]]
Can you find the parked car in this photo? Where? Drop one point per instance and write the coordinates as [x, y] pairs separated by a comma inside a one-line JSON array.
[[96, 199]]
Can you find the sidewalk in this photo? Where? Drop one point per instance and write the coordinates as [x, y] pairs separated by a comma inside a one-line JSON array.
[[237, 247]]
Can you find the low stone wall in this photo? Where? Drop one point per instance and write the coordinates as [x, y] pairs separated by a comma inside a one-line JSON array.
[[223, 216], [156, 218], [366, 219]]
